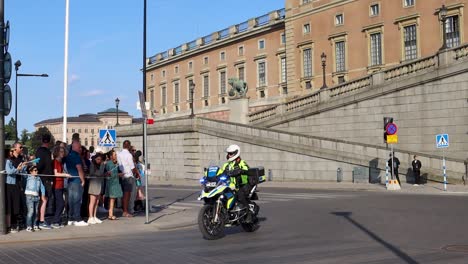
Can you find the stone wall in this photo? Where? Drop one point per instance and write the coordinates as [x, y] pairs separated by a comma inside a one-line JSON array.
[[423, 103], [179, 149]]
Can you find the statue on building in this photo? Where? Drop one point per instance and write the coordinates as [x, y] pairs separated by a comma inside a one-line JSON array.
[[238, 88]]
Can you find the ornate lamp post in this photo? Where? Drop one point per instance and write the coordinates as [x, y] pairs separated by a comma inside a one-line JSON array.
[[117, 101], [443, 19], [17, 65], [324, 60], [191, 90]]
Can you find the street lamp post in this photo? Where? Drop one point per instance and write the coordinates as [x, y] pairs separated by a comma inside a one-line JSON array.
[[191, 90], [117, 101], [443, 19], [17, 65], [324, 60]]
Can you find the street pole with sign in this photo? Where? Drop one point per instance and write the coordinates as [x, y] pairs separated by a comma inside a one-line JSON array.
[[442, 141], [392, 138]]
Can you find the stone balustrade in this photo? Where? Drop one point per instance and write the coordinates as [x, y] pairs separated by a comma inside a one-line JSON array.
[[351, 86], [262, 114], [244, 27], [302, 102], [411, 68]]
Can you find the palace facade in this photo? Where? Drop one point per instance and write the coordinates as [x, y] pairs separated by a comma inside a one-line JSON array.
[[290, 52]]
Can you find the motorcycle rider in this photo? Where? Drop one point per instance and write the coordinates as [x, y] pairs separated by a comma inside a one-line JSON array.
[[236, 168]]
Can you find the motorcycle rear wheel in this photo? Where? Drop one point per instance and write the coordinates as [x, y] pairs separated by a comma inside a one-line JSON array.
[[210, 230], [251, 227]]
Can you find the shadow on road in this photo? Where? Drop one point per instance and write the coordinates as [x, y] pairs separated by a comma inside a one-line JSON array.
[[158, 209], [395, 250]]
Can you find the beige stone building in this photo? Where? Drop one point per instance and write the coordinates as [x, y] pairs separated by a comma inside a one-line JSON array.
[[280, 54], [87, 125]]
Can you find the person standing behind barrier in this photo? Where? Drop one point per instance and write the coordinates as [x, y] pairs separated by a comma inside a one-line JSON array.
[[416, 170], [113, 187], [140, 183], [33, 187], [125, 159], [96, 171], [75, 185], [44, 167], [395, 164], [59, 153], [12, 193]]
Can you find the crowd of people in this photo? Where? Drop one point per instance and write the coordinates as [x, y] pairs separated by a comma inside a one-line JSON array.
[[69, 184]]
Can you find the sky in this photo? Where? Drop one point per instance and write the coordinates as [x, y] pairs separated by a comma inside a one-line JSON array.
[[105, 48]]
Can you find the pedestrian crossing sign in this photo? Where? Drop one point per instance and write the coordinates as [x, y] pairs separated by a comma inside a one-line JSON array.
[[442, 141], [107, 137]]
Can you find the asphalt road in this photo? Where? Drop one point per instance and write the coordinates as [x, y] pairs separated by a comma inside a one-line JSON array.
[[298, 226]]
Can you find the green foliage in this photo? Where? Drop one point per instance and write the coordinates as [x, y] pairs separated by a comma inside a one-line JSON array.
[[10, 130], [37, 137]]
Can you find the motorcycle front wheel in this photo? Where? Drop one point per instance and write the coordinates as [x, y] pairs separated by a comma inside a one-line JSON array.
[[208, 227]]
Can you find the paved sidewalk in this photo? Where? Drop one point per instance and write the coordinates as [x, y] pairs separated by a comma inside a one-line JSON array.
[[170, 219]]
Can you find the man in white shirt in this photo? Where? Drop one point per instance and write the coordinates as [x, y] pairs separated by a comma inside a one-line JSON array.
[[127, 166]]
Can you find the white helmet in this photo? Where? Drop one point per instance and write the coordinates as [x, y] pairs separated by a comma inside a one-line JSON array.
[[233, 152]]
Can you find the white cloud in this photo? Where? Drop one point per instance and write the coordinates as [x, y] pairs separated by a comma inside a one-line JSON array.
[[92, 93], [73, 79]]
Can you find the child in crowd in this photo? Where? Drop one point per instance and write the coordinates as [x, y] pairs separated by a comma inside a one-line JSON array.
[[33, 187]]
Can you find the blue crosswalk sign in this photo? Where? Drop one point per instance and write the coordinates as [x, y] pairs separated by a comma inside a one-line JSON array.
[[442, 141], [107, 137]]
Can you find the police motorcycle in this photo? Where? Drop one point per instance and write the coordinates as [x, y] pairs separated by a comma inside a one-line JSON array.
[[220, 207]]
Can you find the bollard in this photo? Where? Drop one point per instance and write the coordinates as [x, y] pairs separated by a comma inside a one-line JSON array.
[[270, 175], [339, 175]]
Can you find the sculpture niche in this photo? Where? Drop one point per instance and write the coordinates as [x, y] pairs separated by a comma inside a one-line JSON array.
[[238, 88]]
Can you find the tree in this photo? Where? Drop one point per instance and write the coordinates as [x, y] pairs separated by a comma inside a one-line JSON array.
[[10, 130], [25, 136], [36, 139]]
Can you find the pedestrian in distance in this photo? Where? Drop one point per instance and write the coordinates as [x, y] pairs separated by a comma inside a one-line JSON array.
[[416, 170], [394, 165]]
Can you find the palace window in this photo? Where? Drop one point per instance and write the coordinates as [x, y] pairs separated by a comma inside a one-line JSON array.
[[163, 96], [375, 10], [411, 48], [206, 86], [307, 62], [452, 31], [340, 56], [261, 73], [339, 19], [376, 49], [283, 69], [408, 3], [176, 93], [222, 82]]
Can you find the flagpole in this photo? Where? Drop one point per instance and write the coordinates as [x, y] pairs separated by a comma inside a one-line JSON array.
[[65, 74]]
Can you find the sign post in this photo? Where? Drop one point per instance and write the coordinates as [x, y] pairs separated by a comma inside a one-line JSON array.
[[442, 141], [145, 152], [392, 138]]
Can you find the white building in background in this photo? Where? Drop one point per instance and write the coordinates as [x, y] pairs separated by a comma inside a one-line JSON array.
[[87, 125]]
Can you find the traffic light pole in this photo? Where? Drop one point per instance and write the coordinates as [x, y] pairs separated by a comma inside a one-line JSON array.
[[3, 227]]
